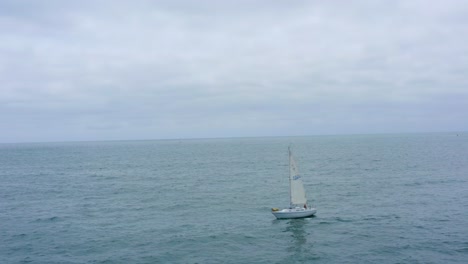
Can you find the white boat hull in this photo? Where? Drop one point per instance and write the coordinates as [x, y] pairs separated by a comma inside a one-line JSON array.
[[294, 213]]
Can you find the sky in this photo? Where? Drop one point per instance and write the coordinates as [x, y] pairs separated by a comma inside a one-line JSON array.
[[130, 70]]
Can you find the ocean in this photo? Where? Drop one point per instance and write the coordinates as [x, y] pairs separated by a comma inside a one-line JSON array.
[[396, 198]]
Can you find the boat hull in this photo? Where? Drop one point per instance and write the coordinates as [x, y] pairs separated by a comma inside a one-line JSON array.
[[294, 213]]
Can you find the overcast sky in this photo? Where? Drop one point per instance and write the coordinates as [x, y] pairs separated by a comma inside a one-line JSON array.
[[111, 70]]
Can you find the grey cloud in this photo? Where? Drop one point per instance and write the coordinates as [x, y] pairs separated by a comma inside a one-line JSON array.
[[202, 69]]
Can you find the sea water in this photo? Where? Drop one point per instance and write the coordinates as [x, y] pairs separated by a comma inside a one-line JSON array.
[[400, 198]]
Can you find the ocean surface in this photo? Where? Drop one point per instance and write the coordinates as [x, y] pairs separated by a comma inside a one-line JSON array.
[[399, 198]]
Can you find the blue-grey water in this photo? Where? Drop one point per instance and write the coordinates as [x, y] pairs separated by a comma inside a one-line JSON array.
[[399, 198]]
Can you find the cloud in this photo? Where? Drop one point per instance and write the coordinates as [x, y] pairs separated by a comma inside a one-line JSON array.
[[121, 70]]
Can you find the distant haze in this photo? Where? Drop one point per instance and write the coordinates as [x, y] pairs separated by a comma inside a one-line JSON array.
[[111, 70]]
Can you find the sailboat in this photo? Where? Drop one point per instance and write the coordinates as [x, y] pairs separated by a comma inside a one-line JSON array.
[[297, 198]]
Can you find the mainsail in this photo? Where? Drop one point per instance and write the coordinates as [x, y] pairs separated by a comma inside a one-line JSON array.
[[297, 192]]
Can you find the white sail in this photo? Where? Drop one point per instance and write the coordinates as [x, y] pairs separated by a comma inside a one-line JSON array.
[[297, 192]]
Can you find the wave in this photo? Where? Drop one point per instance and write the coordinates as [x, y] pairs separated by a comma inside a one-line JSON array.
[[48, 219]]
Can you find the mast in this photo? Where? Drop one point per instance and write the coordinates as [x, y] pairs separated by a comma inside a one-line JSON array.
[[297, 194], [290, 186]]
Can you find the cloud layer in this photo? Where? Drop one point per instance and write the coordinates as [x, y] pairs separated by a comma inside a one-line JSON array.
[[98, 70]]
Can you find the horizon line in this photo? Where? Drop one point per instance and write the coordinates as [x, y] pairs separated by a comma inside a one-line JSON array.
[[233, 137]]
